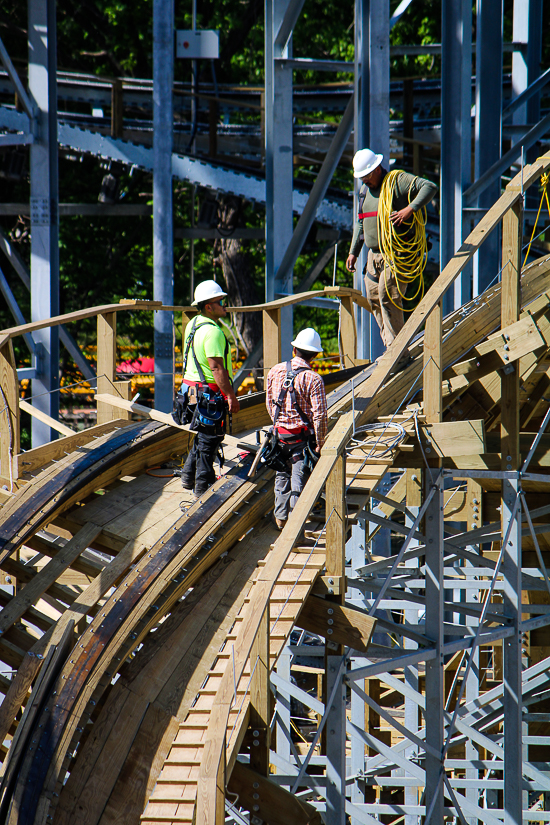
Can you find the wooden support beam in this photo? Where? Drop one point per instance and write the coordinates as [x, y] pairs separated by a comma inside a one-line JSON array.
[[43, 580], [165, 418], [268, 801], [272, 337], [260, 698], [106, 363], [452, 438], [338, 623], [348, 332], [336, 523], [9, 412], [47, 419], [40, 456], [510, 309], [433, 399], [124, 390]]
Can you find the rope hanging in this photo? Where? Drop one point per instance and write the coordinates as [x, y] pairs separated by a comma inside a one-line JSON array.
[[405, 253], [544, 181]]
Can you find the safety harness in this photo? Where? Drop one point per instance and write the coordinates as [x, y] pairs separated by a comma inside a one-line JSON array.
[[211, 408], [280, 450]]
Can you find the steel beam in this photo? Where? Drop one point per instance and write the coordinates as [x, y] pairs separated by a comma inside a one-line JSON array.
[[361, 96], [163, 253], [488, 127], [379, 108], [336, 743], [456, 104], [44, 211], [435, 672], [278, 161], [322, 182]]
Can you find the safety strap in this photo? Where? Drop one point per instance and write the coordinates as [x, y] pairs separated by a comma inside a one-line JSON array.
[[190, 344], [362, 215], [288, 386]]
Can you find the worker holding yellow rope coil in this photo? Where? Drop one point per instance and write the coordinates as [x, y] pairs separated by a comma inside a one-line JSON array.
[[391, 222]]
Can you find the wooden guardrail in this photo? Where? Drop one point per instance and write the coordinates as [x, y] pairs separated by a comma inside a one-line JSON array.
[[106, 355]]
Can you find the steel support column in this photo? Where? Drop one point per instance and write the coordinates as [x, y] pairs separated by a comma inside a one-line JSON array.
[[379, 106], [282, 708], [456, 104], [44, 211], [163, 257], [488, 127], [435, 671], [511, 526], [278, 160], [526, 61], [361, 91], [336, 743]]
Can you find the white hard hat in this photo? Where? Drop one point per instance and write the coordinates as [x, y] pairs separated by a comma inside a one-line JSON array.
[[364, 162], [207, 290], [308, 340]]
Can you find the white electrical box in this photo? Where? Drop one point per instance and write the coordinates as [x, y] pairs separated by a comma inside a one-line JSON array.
[[198, 43]]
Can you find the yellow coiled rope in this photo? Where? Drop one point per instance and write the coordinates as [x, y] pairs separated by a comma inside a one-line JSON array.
[[544, 180], [404, 248]]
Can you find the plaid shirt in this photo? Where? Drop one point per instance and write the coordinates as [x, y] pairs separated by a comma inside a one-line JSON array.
[[310, 395]]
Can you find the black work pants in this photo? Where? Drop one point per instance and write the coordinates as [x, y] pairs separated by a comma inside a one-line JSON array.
[[198, 470]]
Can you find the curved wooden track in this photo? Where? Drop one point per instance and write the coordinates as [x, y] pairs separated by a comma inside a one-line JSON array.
[[138, 646]]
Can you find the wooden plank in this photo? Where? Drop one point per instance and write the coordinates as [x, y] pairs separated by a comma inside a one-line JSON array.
[[54, 661], [9, 412], [46, 419], [433, 400], [155, 415], [452, 438], [121, 720], [124, 390], [106, 363], [18, 691], [510, 308], [40, 456], [260, 698], [339, 623], [335, 498], [32, 591]]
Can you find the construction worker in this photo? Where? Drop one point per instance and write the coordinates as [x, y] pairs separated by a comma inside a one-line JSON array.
[[207, 387], [297, 404], [390, 222]]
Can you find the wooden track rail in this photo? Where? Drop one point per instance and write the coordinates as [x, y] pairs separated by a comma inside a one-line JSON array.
[[143, 627]]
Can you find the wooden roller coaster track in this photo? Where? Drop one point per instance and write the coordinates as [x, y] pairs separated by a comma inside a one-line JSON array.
[[141, 629]]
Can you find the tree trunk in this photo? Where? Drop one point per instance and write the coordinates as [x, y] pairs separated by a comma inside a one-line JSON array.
[[237, 273]]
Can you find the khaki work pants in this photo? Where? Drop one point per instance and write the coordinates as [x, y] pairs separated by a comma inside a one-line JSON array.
[[388, 316]]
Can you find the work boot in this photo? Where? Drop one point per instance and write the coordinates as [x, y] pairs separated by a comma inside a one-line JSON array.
[[279, 523]]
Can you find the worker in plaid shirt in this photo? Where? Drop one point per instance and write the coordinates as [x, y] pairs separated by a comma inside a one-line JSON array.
[[298, 409]]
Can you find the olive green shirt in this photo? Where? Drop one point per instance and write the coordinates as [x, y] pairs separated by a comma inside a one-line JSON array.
[[365, 230]]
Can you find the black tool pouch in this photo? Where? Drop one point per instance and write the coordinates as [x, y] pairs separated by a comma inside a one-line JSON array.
[[310, 458], [210, 412], [273, 454], [181, 412]]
